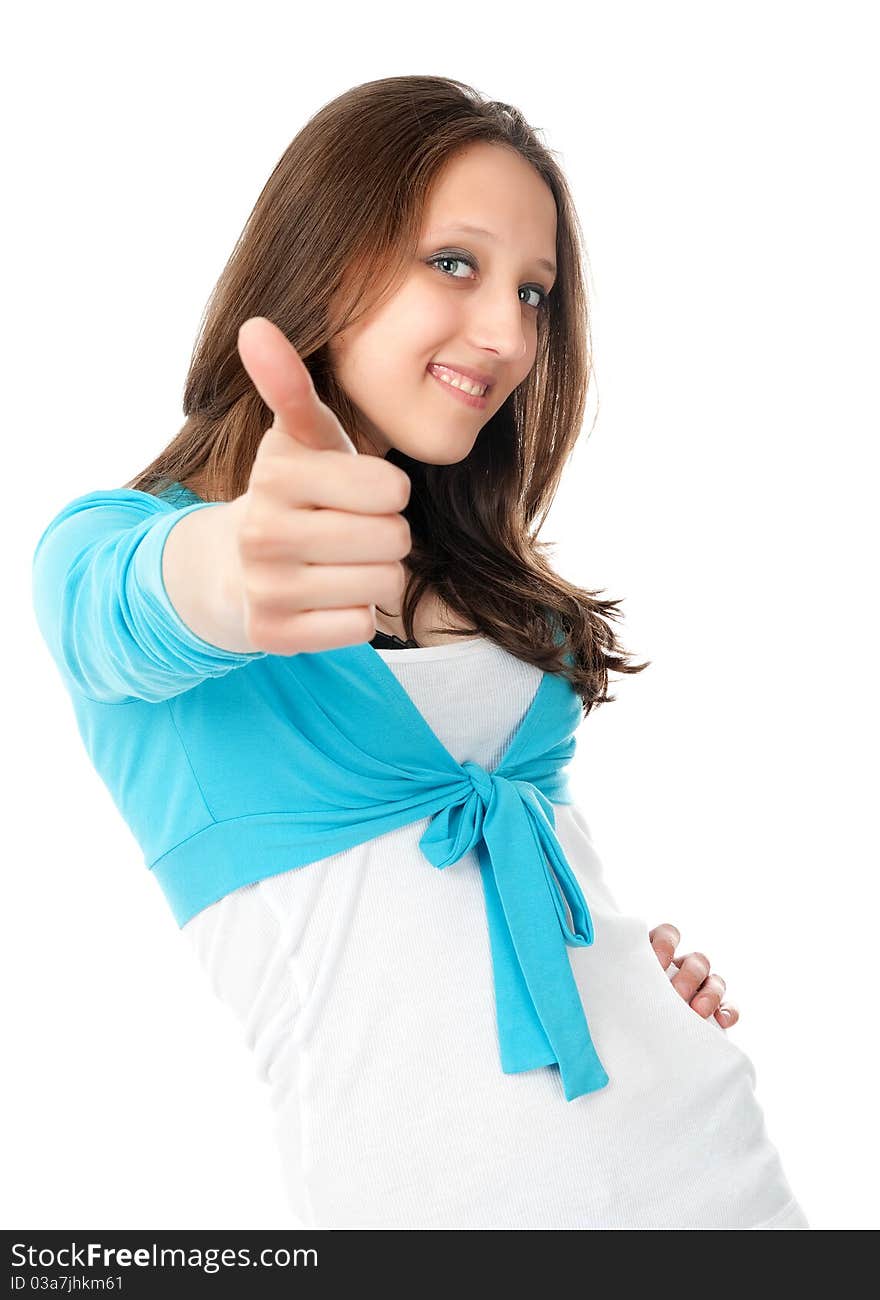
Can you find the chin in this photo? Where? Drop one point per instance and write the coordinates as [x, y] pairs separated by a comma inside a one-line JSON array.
[[445, 451], [437, 459]]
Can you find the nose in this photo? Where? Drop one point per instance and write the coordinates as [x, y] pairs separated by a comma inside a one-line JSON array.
[[497, 324]]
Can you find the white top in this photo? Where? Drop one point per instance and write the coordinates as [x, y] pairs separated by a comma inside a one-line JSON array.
[[363, 983]]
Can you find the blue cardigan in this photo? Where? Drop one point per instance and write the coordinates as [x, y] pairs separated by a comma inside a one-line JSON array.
[[232, 767]]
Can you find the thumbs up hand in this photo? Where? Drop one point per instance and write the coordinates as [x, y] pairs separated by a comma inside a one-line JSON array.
[[318, 535]]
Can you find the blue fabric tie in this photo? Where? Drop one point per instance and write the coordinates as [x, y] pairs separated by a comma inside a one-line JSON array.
[[511, 825]]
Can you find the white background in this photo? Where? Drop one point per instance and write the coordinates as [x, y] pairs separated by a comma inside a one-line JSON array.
[[723, 161]]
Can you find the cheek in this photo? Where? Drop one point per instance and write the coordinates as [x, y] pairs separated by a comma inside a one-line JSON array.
[[406, 356], [424, 325]]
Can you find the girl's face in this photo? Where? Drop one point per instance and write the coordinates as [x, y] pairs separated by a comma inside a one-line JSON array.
[[470, 299]]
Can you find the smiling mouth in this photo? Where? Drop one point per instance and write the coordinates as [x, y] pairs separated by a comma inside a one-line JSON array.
[[478, 401], [457, 380]]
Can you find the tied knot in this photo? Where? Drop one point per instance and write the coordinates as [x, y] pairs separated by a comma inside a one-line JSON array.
[[480, 780]]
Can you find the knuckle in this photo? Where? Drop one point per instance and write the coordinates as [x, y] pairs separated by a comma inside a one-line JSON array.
[[260, 629], [254, 594], [263, 608], [393, 577], [276, 536], [264, 594], [252, 536], [700, 959], [264, 473], [405, 534]]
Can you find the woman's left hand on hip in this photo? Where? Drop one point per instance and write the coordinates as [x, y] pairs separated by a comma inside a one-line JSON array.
[[700, 987]]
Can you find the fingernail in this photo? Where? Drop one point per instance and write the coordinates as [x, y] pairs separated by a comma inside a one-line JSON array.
[[724, 1015]]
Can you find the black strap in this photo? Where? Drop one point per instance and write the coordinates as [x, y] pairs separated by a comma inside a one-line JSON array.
[[383, 641]]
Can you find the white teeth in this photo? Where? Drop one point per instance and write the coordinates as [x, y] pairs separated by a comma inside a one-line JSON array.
[[458, 381]]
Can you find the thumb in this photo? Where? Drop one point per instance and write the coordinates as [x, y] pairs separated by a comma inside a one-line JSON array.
[[282, 379]]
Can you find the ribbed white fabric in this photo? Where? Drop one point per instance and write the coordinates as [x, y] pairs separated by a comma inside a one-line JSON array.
[[363, 984]]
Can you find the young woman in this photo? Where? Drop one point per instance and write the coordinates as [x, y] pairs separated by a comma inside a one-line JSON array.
[[310, 677]]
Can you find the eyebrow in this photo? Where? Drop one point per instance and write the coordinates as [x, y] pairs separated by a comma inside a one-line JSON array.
[[478, 230]]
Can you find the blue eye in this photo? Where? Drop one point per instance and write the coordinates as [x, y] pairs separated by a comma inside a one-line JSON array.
[[466, 261]]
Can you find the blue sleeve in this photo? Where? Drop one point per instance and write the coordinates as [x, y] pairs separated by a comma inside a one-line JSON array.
[[101, 604]]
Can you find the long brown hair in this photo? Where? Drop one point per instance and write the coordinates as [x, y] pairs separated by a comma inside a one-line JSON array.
[[337, 222]]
